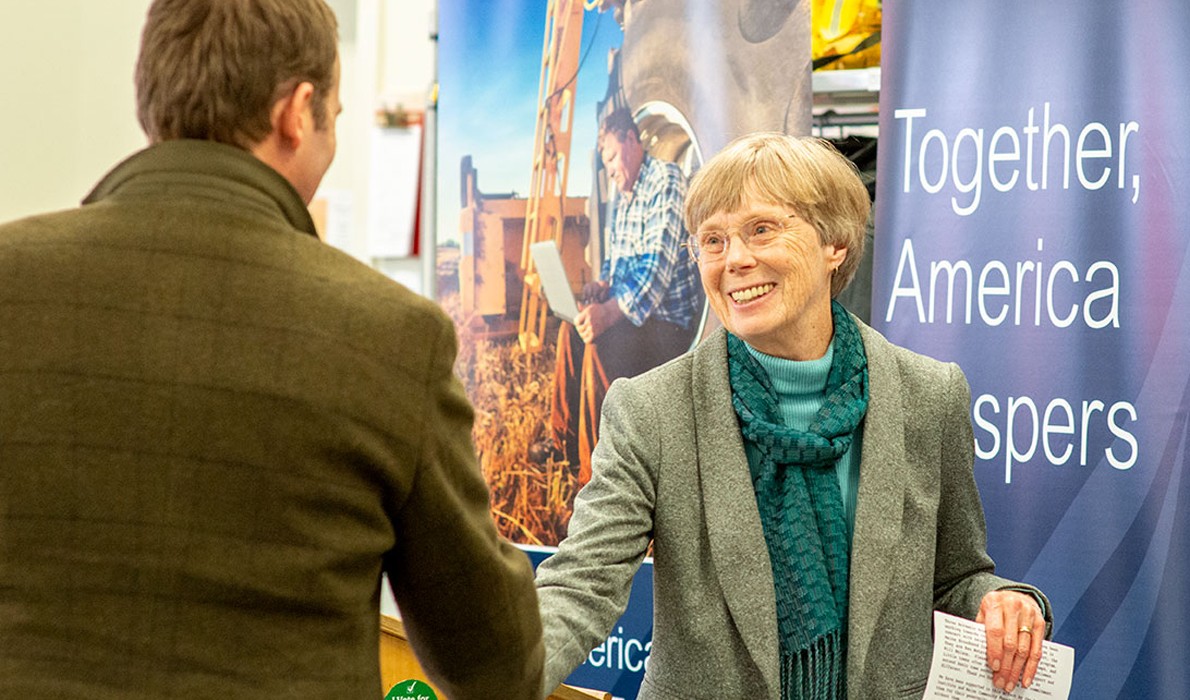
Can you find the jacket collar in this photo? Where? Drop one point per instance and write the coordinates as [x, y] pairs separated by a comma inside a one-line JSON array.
[[219, 170], [879, 509], [734, 531]]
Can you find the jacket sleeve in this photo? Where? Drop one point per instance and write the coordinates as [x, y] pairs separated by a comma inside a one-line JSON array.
[[963, 572], [583, 588], [466, 596]]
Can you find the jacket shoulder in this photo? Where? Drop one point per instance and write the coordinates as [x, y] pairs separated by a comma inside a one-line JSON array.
[[918, 375], [667, 381]]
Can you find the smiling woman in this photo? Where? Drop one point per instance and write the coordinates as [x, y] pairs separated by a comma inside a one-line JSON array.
[[775, 296], [769, 540], [802, 236]]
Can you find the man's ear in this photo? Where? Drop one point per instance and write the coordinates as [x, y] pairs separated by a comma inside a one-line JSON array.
[[292, 115]]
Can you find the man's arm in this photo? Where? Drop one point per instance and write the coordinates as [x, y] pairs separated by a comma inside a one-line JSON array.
[[466, 596], [593, 320]]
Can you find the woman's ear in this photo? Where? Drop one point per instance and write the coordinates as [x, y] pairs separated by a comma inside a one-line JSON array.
[[835, 257]]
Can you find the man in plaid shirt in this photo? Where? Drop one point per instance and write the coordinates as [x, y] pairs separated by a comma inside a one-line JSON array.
[[646, 307]]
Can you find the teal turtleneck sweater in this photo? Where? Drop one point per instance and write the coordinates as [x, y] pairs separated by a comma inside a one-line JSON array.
[[800, 386]]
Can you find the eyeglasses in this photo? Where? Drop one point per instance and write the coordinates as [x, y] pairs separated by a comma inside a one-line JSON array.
[[756, 234]]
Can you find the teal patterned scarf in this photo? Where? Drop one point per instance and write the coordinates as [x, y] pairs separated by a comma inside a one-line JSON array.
[[801, 507]]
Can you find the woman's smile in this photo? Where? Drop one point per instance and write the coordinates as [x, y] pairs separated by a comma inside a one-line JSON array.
[[752, 293]]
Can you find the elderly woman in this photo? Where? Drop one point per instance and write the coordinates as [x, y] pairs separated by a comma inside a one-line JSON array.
[[807, 484]]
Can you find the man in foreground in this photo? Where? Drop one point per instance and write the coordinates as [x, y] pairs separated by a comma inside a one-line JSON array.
[[216, 432]]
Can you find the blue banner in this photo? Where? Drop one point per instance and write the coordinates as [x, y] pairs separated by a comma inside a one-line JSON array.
[[1031, 227]]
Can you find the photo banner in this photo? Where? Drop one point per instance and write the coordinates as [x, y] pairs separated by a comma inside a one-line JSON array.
[[1033, 226], [523, 87]]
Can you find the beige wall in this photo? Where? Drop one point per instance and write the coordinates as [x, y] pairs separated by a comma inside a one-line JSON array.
[[68, 104], [69, 113]]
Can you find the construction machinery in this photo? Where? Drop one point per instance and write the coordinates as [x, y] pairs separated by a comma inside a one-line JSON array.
[[545, 207], [497, 279]]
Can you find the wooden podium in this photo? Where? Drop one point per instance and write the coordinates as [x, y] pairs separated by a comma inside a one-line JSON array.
[[397, 663]]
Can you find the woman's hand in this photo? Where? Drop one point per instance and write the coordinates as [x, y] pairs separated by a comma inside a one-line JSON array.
[[1015, 628]]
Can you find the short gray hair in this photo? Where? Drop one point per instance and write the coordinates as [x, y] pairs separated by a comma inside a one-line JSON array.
[[807, 174]]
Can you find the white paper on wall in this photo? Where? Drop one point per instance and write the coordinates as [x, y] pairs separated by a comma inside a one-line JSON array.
[[337, 210], [394, 158]]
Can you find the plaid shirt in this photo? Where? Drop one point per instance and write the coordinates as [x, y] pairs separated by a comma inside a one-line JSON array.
[[648, 269]]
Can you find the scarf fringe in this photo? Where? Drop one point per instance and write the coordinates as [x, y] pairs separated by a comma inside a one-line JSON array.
[[816, 672]]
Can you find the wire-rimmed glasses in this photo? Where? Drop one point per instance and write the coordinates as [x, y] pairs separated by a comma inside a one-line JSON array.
[[711, 244]]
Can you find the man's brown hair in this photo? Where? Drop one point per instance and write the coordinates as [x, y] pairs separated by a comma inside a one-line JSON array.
[[213, 69], [619, 123]]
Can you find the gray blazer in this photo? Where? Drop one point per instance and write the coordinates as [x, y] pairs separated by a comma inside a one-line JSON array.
[[670, 467]]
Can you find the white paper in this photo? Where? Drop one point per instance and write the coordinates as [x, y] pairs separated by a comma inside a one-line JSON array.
[[960, 670], [395, 157], [553, 280], [340, 208]]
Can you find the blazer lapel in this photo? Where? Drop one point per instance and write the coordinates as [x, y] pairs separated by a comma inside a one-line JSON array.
[[732, 518], [879, 507]]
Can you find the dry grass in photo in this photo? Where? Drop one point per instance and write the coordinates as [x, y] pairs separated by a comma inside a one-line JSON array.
[[532, 485]]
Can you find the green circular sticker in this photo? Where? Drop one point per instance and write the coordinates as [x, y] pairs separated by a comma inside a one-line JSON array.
[[411, 690]]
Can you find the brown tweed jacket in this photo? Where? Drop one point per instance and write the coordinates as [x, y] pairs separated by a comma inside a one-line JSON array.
[[215, 433]]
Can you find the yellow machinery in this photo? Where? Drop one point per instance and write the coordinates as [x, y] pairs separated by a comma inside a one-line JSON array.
[[845, 33], [491, 273], [544, 214]]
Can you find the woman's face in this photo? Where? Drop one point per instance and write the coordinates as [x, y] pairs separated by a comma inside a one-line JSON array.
[[775, 296]]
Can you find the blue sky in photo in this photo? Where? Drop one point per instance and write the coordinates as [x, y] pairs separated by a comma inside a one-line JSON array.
[[489, 68]]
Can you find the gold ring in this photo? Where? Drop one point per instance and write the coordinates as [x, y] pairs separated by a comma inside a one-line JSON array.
[[1026, 629]]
